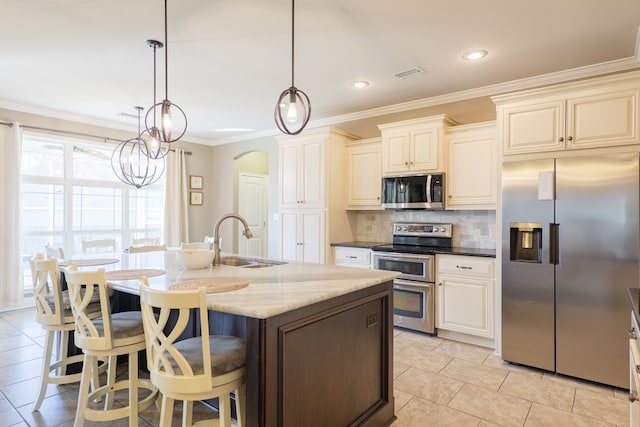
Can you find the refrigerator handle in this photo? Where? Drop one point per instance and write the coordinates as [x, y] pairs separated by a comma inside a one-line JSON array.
[[554, 239]]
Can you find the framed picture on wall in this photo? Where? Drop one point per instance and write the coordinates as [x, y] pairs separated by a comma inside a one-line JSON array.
[[195, 198], [195, 182]]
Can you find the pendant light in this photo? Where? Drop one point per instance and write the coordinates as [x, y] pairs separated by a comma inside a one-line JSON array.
[[132, 165], [172, 117], [293, 109]]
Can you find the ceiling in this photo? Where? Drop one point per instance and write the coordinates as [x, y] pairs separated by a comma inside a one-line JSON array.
[[88, 60]]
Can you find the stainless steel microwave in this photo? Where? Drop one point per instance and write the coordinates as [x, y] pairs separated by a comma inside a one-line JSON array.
[[414, 192]]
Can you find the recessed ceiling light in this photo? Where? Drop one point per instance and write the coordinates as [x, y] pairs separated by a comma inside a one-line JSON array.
[[474, 55], [359, 84], [234, 130]]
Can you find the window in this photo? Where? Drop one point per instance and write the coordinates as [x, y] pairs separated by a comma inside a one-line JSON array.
[[71, 194]]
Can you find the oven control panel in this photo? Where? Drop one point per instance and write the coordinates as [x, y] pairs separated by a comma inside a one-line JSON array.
[[422, 229]]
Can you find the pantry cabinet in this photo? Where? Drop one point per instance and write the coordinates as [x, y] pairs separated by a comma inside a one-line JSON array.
[[465, 295], [312, 192], [364, 174], [472, 167], [414, 146], [602, 112]]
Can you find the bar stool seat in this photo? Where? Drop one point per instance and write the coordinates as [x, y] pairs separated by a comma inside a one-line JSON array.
[[109, 335], [198, 368], [53, 313]]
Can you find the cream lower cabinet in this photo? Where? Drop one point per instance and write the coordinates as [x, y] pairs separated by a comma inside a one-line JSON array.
[[364, 174], [352, 257], [634, 374], [302, 236], [465, 295], [472, 166]]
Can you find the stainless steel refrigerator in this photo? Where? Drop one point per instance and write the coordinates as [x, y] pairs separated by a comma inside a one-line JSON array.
[[570, 247]]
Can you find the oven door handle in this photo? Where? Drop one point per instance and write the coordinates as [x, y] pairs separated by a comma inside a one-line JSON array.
[[404, 257], [414, 283]]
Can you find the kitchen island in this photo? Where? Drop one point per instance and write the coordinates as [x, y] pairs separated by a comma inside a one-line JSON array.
[[319, 337]]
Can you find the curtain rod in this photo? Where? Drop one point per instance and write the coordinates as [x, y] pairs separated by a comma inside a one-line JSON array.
[[68, 132]]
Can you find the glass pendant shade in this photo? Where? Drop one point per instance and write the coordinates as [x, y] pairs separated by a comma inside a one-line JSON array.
[[132, 164], [293, 109]]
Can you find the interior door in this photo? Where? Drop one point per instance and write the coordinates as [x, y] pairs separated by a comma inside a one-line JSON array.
[[252, 205]]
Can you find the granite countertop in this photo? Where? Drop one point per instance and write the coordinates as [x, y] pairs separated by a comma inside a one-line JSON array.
[[489, 253], [271, 290]]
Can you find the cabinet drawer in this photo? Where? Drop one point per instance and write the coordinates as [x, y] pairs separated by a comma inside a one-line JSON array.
[[352, 256], [466, 265]]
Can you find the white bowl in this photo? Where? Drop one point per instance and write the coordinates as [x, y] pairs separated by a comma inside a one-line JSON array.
[[194, 258]]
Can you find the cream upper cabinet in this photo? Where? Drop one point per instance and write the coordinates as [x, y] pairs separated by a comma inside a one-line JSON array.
[[301, 174], [414, 146], [471, 179], [364, 174], [312, 174], [600, 112], [465, 295]]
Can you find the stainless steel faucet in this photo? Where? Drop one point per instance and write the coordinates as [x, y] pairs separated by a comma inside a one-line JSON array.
[[216, 234]]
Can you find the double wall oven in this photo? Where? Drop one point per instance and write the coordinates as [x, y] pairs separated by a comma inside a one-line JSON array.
[[412, 253]]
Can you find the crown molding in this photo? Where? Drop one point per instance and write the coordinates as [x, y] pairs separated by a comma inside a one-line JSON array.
[[593, 70]]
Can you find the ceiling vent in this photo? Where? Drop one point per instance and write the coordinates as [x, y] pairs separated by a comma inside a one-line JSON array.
[[410, 73]]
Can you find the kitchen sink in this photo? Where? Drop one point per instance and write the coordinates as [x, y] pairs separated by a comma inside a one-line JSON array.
[[237, 261]]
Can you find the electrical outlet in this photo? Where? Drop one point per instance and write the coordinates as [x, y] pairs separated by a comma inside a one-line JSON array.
[[372, 319]]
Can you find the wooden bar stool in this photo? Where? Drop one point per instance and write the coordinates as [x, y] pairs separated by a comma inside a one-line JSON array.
[[198, 368], [109, 336], [53, 312]]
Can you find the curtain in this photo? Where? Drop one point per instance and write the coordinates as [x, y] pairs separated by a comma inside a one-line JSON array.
[[11, 281], [175, 229]]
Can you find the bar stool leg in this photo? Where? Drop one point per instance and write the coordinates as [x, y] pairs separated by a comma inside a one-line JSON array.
[[133, 389], [187, 413], [83, 392], [166, 413], [111, 379], [46, 363]]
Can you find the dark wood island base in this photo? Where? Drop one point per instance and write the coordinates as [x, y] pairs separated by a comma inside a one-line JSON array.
[[329, 364]]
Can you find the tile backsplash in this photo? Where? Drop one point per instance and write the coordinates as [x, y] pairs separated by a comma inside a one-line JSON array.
[[471, 229]]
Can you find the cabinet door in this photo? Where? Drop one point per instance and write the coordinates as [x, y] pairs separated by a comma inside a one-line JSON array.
[[364, 176], [472, 170], [289, 172], [313, 236], [395, 152], [311, 175], [533, 128], [425, 150], [465, 305], [602, 120], [289, 242]]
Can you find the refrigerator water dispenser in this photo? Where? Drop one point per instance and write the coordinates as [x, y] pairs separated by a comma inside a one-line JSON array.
[[526, 242]]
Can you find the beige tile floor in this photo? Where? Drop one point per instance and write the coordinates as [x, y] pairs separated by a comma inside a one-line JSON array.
[[437, 383]]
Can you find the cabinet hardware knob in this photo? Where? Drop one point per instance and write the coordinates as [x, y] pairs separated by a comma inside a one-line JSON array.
[[464, 267], [632, 333], [561, 139], [440, 284], [378, 198], [638, 369], [632, 397], [450, 196], [406, 163], [570, 138]]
